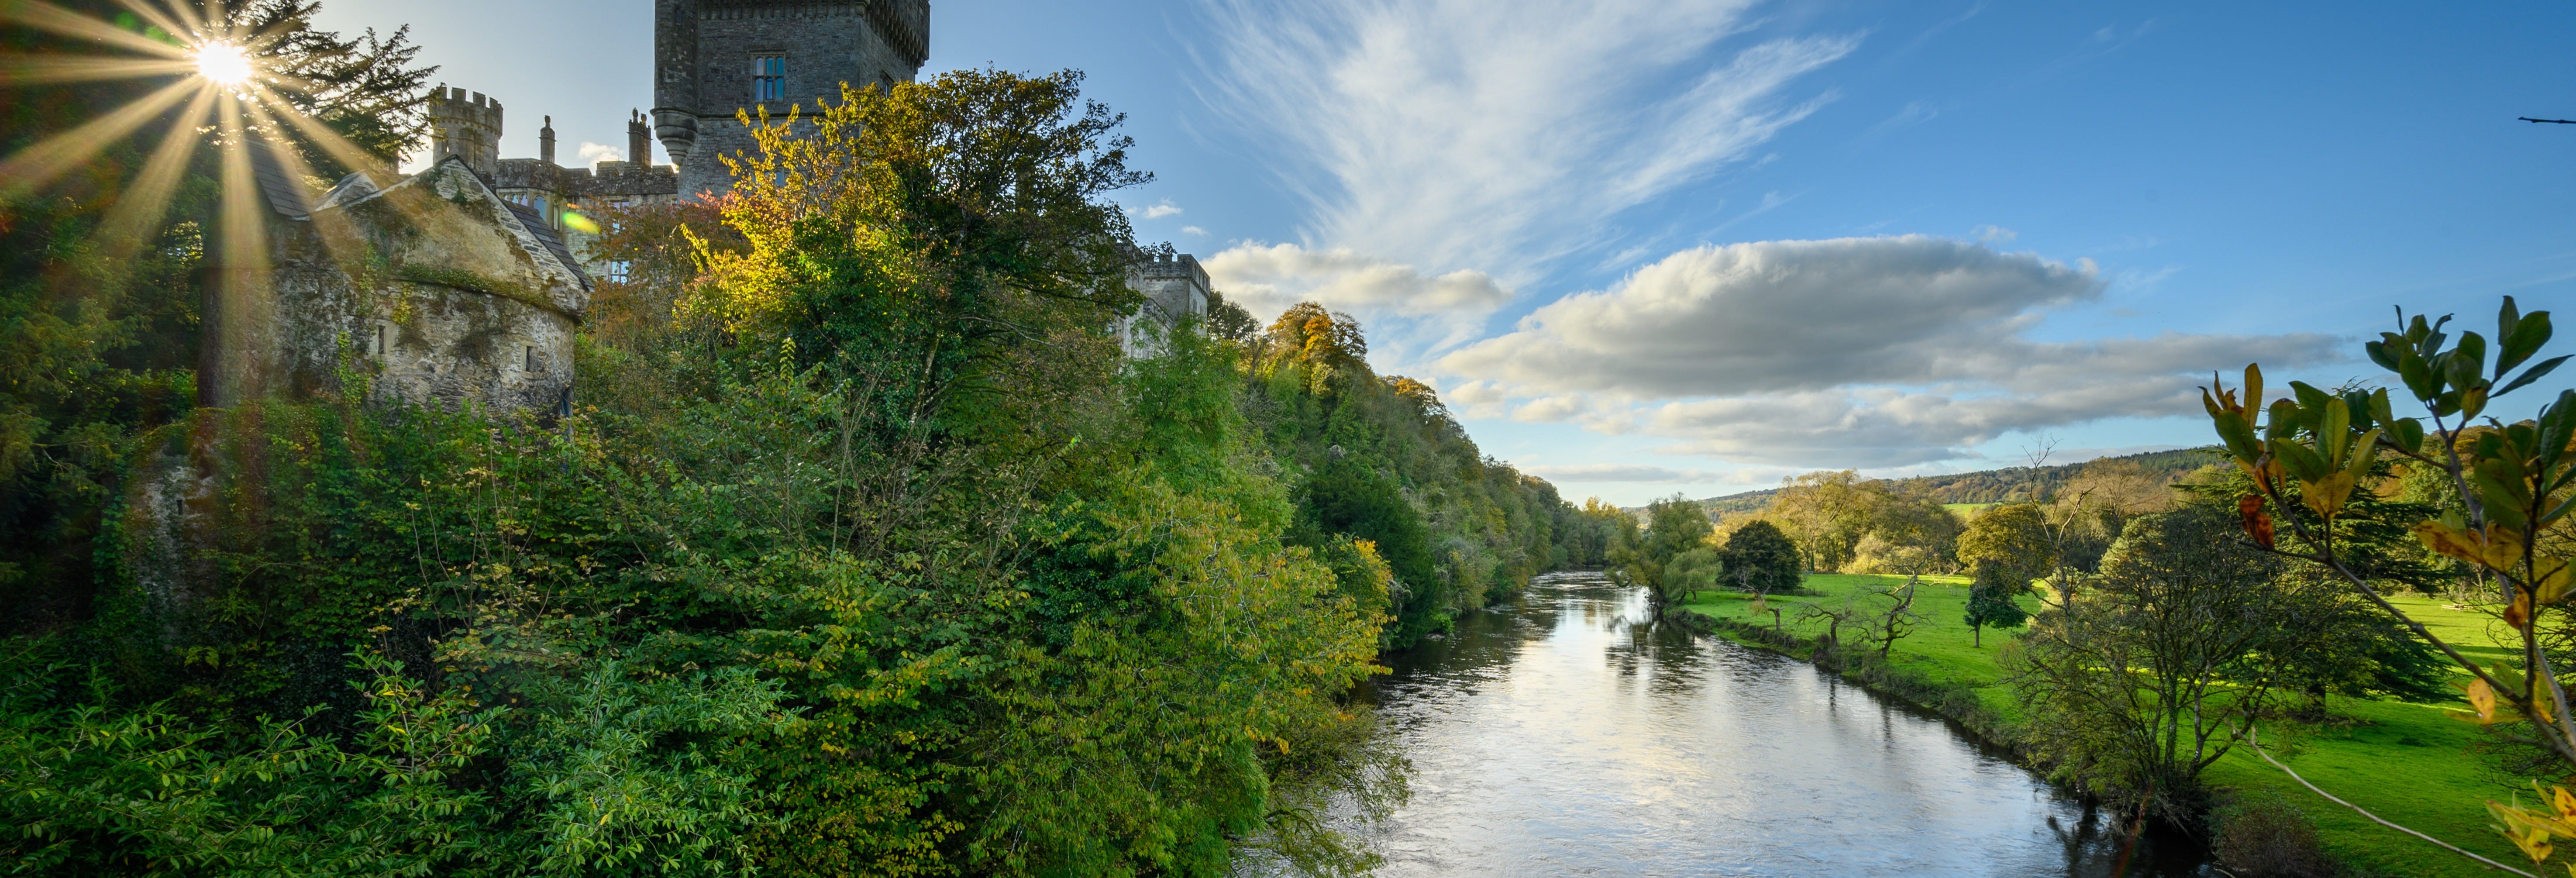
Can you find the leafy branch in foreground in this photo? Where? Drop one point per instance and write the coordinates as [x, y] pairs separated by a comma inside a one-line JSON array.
[[2310, 455]]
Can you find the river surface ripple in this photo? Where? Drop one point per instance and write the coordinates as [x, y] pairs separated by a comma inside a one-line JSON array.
[[1560, 734]]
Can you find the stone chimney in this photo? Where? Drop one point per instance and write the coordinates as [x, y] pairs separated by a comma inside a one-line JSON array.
[[639, 141], [546, 142]]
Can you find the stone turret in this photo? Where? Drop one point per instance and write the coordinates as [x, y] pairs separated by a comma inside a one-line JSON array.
[[715, 58], [467, 128], [639, 141], [546, 141], [675, 77]]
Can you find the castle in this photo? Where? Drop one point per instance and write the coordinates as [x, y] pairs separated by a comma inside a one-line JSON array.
[[465, 284]]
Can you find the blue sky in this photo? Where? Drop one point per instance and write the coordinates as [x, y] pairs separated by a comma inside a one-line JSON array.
[[1648, 247]]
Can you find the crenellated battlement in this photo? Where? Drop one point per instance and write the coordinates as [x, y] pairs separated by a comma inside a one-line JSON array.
[[461, 105]]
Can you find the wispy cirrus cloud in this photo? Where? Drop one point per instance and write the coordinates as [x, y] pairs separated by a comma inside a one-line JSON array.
[[1498, 136]]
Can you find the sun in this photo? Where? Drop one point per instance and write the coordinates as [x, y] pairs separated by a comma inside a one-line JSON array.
[[223, 64]]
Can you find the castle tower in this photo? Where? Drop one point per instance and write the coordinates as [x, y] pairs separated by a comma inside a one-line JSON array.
[[546, 142], [714, 58], [466, 128], [639, 140]]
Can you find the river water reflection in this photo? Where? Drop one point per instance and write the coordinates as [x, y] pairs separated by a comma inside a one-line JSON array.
[[1561, 735]]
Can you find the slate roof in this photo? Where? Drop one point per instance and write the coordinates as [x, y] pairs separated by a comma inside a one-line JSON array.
[[285, 194], [545, 232]]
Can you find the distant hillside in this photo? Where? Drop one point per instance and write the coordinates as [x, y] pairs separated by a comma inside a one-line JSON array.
[[1997, 485]]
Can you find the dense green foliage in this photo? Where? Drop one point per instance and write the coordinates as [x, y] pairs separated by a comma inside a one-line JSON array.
[[1380, 459], [866, 553]]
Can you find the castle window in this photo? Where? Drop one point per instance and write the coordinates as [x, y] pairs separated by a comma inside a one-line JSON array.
[[380, 340], [619, 270], [769, 78], [532, 359]]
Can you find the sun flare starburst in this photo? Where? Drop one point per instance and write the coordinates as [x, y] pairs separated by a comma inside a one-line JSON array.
[[223, 64], [222, 82]]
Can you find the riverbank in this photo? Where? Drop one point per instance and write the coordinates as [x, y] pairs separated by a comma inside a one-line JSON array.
[[2409, 763]]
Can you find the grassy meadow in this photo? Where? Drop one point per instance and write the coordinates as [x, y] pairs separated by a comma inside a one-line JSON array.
[[2409, 763]]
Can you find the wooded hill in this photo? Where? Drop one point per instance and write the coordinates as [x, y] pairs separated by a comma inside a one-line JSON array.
[[1996, 485]]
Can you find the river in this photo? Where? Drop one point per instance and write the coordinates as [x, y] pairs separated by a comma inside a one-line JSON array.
[[1561, 734]]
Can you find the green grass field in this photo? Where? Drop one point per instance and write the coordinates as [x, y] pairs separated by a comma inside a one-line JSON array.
[[1967, 510], [2410, 763]]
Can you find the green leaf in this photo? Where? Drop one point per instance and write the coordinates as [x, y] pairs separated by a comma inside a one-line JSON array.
[[2508, 477], [2525, 339], [2363, 455], [2418, 375], [2533, 374], [2408, 433], [2465, 366], [2428, 340], [2379, 350], [2335, 430], [2239, 437], [2557, 512], [2303, 462], [2557, 422], [2311, 400], [2502, 492], [2284, 421]]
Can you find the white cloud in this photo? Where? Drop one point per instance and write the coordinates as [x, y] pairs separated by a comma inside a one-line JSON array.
[[1783, 315], [1627, 472], [1849, 352], [594, 153], [1994, 235], [1194, 230], [1267, 278], [1500, 135], [1160, 210]]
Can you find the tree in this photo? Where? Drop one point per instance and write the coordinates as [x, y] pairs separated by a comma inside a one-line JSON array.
[[1826, 513], [1675, 525], [1229, 321], [1759, 558], [1898, 617], [1990, 602], [1593, 530], [2008, 546], [2087, 512], [2158, 670]]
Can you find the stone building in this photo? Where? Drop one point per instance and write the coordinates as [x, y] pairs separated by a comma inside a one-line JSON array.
[[433, 286], [1175, 288], [465, 283], [714, 59], [471, 128]]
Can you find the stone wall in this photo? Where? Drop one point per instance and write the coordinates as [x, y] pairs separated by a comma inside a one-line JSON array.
[[704, 51], [432, 287]]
